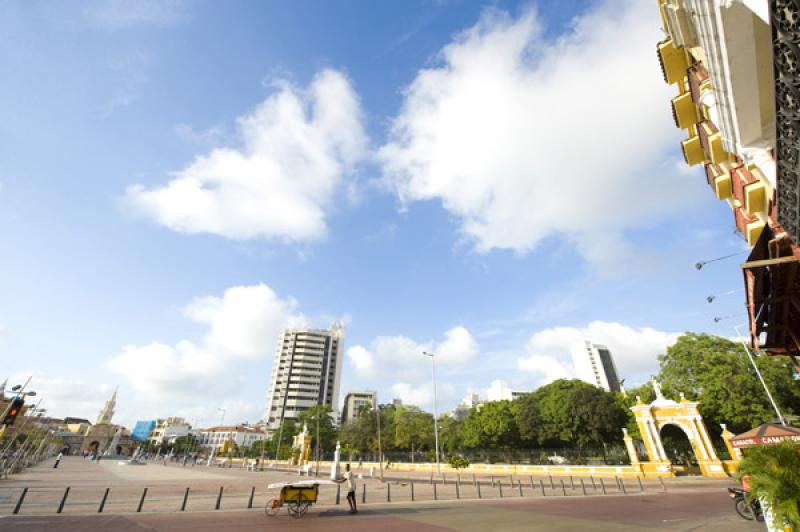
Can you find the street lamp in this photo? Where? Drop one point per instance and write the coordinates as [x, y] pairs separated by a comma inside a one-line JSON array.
[[699, 265], [712, 297], [760, 377], [435, 415]]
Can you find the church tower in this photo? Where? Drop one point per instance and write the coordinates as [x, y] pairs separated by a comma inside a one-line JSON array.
[[108, 410]]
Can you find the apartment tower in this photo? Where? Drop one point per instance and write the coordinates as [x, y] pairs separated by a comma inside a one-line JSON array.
[[306, 373], [604, 371]]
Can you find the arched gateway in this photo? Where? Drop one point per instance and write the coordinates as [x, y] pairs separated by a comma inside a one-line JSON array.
[[686, 416]]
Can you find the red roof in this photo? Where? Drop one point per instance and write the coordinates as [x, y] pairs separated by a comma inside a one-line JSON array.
[[766, 434]]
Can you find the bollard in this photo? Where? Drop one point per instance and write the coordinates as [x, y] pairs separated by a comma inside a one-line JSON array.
[[388, 493], [185, 500], [616, 479], [19, 502], [219, 498], [552, 486], [363, 493], [338, 493], [412, 491], [541, 485], [519, 484], [431, 477], [663, 487], [563, 488], [594, 487], [603, 486], [478, 485], [572, 482], [531, 478], [252, 494], [583, 487], [458, 478], [622, 485], [500, 487], [435, 497], [492, 480], [444, 479], [641, 486], [103, 501], [474, 481], [63, 501], [141, 501], [458, 491]]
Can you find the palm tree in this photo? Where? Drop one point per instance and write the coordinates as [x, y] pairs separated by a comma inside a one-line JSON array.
[[775, 478]]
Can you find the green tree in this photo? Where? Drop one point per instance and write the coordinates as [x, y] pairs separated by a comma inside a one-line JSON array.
[[528, 419], [328, 433], [492, 426], [718, 373], [413, 429], [451, 434], [576, 413]]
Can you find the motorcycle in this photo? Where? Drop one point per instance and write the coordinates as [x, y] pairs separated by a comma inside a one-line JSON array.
[[745, 510]]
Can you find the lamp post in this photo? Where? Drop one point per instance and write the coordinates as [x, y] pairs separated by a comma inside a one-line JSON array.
[[699, 265], [222, 419], [435, 414], [760, 377], [380, 447]]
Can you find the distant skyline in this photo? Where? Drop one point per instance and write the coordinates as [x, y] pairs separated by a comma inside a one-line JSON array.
[[182, 180]]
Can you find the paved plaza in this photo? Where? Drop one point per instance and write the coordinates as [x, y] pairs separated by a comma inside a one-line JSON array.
[[687, 504]]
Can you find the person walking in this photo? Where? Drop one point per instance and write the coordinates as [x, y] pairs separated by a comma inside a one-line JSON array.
[[58, 459], [351, 488]]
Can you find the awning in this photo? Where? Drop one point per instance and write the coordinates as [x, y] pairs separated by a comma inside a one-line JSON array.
[[766, 434]]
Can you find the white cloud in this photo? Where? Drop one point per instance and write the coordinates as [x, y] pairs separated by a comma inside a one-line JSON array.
[[297, 145], [400, 357], [62, 396], [560, 352], [522, 138], [396, 364], [244, 323]]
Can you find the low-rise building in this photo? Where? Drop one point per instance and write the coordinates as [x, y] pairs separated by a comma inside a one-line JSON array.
[[213, 438], [168, 430]]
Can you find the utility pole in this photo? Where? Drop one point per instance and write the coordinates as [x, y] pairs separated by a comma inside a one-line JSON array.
[[760, 377]]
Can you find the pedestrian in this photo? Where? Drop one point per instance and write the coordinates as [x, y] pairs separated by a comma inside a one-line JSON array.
[[58, 459], [351, 488]]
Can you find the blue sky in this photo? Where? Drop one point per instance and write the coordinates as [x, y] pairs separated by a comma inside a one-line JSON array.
[[494, 180]]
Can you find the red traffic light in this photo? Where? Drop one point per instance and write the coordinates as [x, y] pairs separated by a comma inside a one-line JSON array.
[[16, 405]]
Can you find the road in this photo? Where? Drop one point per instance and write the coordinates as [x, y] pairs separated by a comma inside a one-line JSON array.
[[691, 509]]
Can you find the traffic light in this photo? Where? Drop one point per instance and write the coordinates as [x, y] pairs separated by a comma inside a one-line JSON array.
[[16, 406]]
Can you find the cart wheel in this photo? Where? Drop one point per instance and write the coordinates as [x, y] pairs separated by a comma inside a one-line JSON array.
[[272, 507], [299, 507]]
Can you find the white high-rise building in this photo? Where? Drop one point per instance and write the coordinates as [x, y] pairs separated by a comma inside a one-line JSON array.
[[308, 363], [601, 370]]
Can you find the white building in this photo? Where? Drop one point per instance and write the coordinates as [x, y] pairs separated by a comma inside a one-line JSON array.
[[308, 364], [500, 391], [597, 367], [243, 435], [354, 401], [470, 401], [168, 430]]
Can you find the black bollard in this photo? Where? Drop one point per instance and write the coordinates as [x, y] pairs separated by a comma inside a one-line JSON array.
[[252, 494], [500, 487], [641, 486], [219, 499], [594, 487], [519, 484], [388, 493], [185, 500], [141, 501], [19, 502], [435, 497], [363, 493], [531, 478], [492, 480], [458, 491], [338, 493], [103, 501], [603, 486], [412, 491], [63, 501], [622, 485], [563, 488], [572, 482], [541, 485], [552, 486], [583, 487], [663, 487], [478, 485]]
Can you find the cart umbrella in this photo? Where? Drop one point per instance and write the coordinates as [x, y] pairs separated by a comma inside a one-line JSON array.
[[766, 434]]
